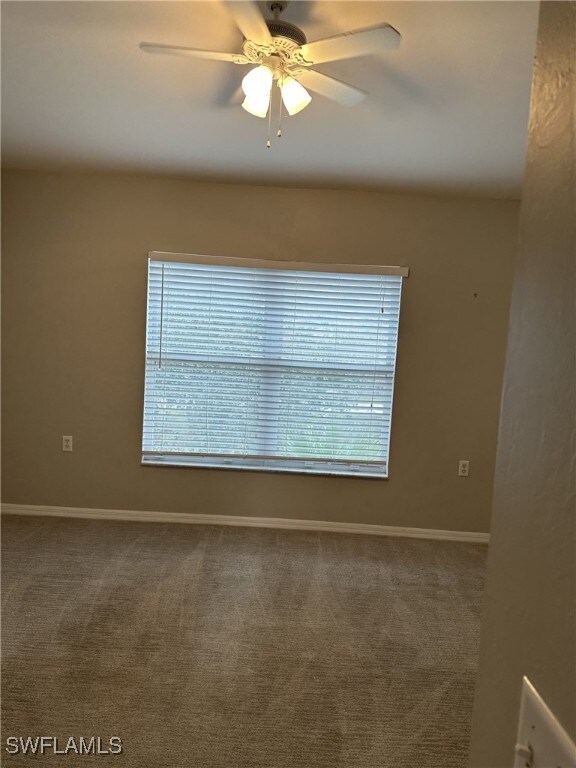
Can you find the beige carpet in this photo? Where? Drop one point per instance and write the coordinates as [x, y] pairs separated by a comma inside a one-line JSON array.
[[233, 647]]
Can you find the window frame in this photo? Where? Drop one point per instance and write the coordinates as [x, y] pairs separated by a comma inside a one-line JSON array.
[[266, 462]]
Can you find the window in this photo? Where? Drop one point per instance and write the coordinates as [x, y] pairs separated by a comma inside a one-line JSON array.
[[270, 365]]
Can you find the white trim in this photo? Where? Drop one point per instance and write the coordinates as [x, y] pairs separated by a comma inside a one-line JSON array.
[[128, 515], [303, 266]]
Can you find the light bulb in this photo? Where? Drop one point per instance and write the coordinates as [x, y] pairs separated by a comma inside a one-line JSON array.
[[294, 96], [257, 86]]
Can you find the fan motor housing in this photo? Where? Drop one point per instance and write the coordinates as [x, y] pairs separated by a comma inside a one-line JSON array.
[[286, 39], [283, 29]]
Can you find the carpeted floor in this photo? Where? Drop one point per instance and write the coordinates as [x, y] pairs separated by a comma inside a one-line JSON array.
[[223, 647]]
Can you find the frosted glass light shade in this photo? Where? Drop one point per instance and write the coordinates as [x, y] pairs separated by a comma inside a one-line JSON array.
[[257, 86], [294, 96]]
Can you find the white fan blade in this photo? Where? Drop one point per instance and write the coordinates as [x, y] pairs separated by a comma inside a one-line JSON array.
[[351, 44], [344, 94], [249, 20], [195, 53]]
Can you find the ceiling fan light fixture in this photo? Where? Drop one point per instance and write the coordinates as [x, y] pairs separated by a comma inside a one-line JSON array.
[[294, 95], [257, 81], [280, 53], [256, 107], [257, 86]]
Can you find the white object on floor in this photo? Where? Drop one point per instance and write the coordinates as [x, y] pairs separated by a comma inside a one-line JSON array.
[[541, 740]]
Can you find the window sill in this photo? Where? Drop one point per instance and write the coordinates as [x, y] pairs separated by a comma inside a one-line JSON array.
[[300, 467]]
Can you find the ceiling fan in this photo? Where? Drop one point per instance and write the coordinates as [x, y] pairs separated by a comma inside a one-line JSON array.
[[282, 53]]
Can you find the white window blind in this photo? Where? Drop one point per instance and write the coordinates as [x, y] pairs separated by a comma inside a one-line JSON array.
[[259, 365]]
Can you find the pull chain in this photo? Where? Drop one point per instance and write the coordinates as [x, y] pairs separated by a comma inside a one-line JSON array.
[[280, 114], [279, 134]]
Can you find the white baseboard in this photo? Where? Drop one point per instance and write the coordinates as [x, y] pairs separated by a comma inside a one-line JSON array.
[[128, 515]]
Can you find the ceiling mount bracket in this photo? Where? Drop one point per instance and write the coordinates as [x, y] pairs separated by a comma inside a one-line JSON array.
[[277, 7]]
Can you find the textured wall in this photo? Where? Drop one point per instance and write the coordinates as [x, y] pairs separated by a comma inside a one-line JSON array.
[[74, 287], [529, 622]]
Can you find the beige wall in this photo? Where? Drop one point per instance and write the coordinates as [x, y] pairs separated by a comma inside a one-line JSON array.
[[74, 265], [529, 622]]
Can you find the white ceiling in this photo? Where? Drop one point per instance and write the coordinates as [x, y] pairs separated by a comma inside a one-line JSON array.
[[447, 111]]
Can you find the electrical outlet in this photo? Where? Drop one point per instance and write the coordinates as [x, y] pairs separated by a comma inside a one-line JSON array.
[[66, 442], [463, 467]]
